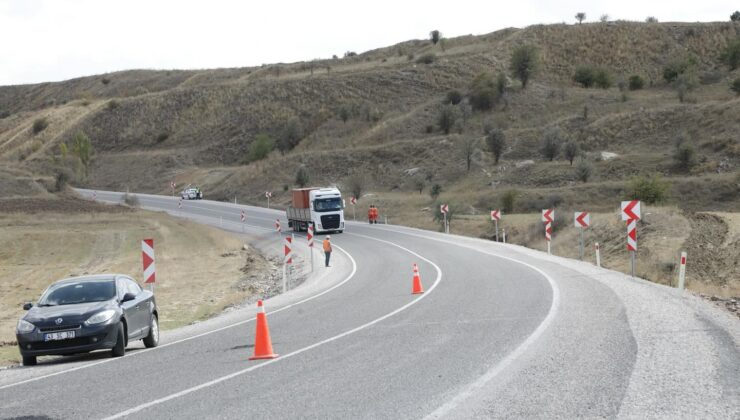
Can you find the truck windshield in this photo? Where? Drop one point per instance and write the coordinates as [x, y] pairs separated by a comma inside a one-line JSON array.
[[327, 204]]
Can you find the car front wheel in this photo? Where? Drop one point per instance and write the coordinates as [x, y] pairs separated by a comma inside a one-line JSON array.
[[29, 360], [152, 340], [120, 348]]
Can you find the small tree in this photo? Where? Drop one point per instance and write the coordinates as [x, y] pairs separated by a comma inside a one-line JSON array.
[[290, 135], [524, 63], [735, 17], [651, 19], [685, 83], [604, 18], [571, 151], [420, 183], [261, 146], [684, 155], [82, 148], [731, 54], [651, 190], [508, 199], [302, 177], [636, 82], [580, 17], [344, 113], [467, 146], [356, 184], [551, 142], [584, 76], [483, 92], [735, 86], [675, 68], [63, 150], [435, 36], [447, 117], [426, 59], [583, 170], [501, 84], [496, 141], [435, 191]]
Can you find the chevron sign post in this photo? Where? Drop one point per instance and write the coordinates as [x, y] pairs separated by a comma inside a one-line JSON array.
[[582, 221], [309, 237], [277, 226], [496, 216], [243, 217], [147, 256], [444, 209], [548, 215], [268, 194], [631, 213], [353, 201], [287, 260]]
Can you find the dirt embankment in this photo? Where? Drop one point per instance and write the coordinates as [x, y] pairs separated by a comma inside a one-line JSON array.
[[713, 248]]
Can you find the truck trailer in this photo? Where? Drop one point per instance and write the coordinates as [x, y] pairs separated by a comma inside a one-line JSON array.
[[321, 207]]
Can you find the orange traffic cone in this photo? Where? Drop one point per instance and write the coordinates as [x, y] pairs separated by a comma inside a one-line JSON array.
[[262, 342], [417, 282]]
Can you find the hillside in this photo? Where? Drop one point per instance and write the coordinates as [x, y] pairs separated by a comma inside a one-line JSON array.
[[150, 127]]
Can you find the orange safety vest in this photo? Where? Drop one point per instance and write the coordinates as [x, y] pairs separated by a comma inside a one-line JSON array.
[[327, 245]]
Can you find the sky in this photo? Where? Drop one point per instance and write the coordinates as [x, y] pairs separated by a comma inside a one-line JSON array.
[[52, 40]]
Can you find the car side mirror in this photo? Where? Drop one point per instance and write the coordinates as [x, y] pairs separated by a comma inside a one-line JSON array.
[[27, 306], [128, 297]]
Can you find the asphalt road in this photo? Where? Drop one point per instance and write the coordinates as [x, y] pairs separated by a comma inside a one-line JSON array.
[[499, 332]]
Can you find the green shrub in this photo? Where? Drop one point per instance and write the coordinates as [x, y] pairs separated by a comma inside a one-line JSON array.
[[651, 190], [651, 19], [82, 148], [39, 125], [636, 82], [112, 104], [583, 170], [484, 92], [261, 146], [602, 78], [454, 97], [302, 177], [162, 137], [508, 199], [435, 191], [735, 17], [524, 63], [570, 151], [584, 75], [731, 54], [426, 59], [290, 135], [676, 68], [62, 178], [435, 36], [4, 114], [105, 80], [735, 86], [131, 200], [551, 142], [496, 141], [684, 155]]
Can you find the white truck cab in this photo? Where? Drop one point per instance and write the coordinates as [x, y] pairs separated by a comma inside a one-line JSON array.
[[322, 207]]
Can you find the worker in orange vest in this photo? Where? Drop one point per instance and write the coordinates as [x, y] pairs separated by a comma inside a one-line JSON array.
[[370, 214], [327, 249], [375, 214]]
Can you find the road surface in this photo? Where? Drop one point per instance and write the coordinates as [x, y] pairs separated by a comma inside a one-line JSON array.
[[500, 332]]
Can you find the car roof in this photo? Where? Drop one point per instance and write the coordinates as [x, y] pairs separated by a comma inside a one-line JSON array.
[[92, 277]]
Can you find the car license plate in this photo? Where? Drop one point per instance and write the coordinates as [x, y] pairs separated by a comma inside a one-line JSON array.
[[61, 335]]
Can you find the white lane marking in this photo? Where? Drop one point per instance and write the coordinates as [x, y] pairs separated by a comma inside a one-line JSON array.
[[236, 324], [296, 352], [494, 371]]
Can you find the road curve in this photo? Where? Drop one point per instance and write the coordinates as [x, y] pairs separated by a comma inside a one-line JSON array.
[[500, 332]]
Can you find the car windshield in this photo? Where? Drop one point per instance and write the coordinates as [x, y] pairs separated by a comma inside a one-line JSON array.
[[79, 292], [327, 204]]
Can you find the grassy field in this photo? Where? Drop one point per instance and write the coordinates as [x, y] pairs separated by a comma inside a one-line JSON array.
[[200, 270]]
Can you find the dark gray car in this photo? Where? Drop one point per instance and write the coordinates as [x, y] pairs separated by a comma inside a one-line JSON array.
[[82, 314]]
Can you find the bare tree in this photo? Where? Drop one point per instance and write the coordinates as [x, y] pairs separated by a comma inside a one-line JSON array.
[[467, 146], [571, 151]]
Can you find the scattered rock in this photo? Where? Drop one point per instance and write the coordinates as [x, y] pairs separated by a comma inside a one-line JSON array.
[[608, 155], [411, 171], [523, 163]]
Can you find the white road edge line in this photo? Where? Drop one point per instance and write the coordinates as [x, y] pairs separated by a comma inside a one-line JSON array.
[[236, 324], [293, 353], [494, 371]]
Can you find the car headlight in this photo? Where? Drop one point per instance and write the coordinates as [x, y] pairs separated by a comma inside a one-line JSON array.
[[25, 326], [101, 317]]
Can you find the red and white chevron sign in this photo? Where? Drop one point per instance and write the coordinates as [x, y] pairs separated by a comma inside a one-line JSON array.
[[243, 216], [631, 210], [632, 235], [353, 200], [172, 184], [495, 214], [548, 215], [444, 208], [287, 248], [582, 219], [277, 225], [268, 194], [147, 256], [548, 231], [309, 236], [179, 203]]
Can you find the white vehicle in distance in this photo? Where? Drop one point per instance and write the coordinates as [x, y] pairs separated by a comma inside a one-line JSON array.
[[192, 193]]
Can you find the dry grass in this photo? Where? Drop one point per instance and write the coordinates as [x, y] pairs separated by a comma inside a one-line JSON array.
[[198, 267]]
